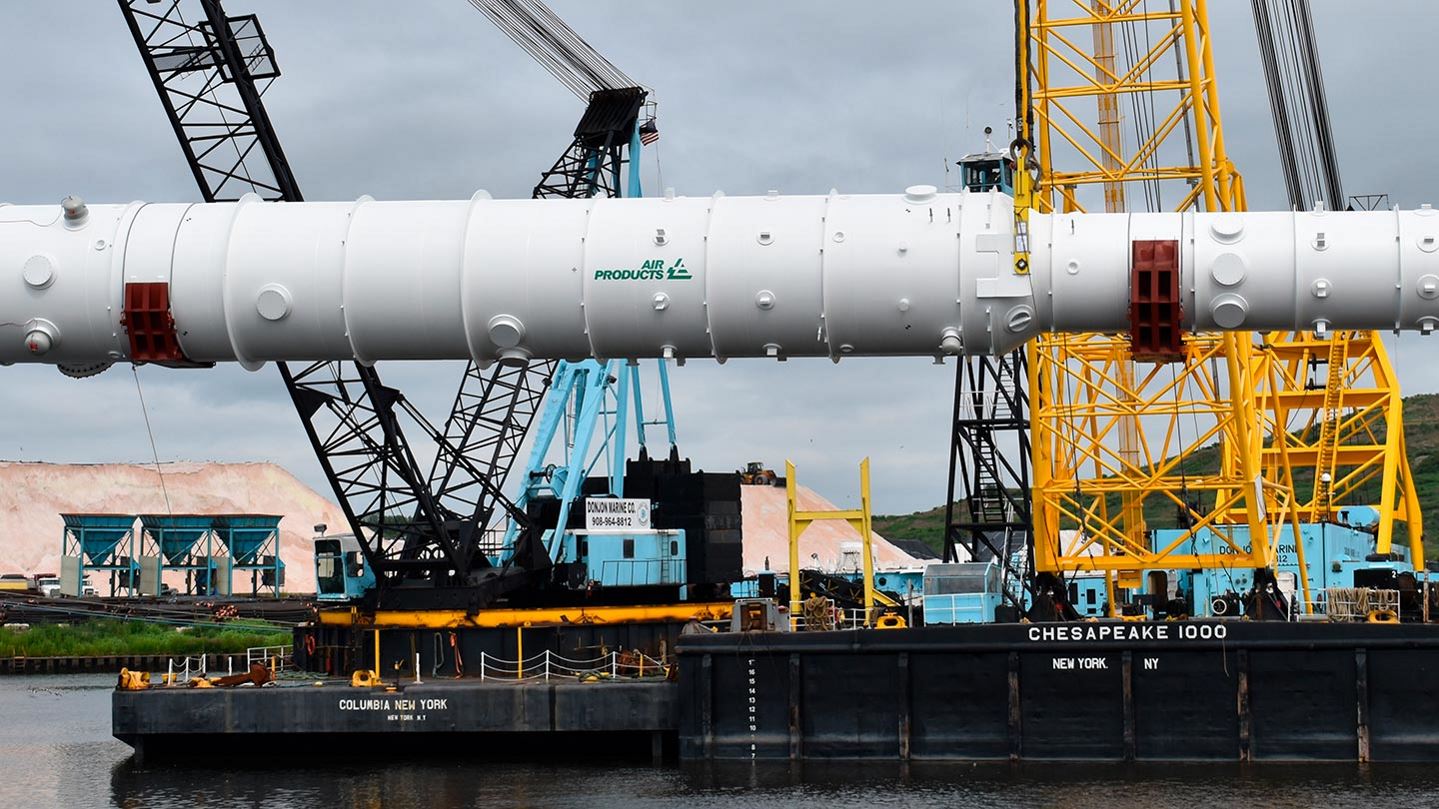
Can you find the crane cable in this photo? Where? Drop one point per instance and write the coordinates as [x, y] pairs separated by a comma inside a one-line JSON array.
[[154, 451], [1298, 103], [550, 41]]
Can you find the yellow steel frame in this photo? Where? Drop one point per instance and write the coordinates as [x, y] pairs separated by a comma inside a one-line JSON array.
[[1110, 436], [1344, 428], [858, 519]]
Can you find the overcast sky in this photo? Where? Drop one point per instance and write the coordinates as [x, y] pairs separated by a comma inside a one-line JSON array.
[[427, 100]]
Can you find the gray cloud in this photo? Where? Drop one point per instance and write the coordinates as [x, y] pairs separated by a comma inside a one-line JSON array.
[[429, 101]]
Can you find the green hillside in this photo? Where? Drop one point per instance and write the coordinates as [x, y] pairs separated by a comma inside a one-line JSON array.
[[1421, 428]]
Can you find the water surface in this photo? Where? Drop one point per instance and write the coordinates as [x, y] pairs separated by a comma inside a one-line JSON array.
[[56, 750]]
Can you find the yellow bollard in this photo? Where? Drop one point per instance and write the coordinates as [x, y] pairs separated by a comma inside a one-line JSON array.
[[377, 655], [519, 653]]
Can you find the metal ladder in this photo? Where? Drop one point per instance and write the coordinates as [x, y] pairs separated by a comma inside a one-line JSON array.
[[1329, 424], [988, 502]]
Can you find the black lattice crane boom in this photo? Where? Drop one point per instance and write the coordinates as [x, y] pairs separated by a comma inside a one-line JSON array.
[[495, 407], [211, 70]]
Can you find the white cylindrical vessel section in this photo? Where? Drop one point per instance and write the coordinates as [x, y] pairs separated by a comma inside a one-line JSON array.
[[644, 278], [402, 279], [524, 282], [60, 284], [752, 309], [919, 273]]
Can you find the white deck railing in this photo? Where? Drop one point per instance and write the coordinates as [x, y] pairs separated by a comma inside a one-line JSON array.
[[547, 665]]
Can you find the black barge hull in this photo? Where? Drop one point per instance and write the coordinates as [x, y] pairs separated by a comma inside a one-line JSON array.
[[1202, 691], [465, 717], [1197, 691]]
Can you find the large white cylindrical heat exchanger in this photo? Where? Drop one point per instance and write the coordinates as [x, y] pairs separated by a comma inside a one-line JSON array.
[[919, 273]]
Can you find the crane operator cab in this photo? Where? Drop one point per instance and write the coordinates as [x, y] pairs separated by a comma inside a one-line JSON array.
[[987, 170], [340, 570], [962, 593]]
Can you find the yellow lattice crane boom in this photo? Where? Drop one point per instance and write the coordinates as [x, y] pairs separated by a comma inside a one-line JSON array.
[[1231, 436]]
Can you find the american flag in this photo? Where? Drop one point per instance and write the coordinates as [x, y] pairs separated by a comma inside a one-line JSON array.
[[649, 133]]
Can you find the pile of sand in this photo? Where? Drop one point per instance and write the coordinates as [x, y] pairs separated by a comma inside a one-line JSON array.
[[33, 495], [821, 546]]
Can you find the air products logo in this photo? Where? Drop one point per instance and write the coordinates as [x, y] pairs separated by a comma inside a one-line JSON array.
[[653, 269]]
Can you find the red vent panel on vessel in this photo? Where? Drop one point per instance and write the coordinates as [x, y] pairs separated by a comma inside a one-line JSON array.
[[149, 324], [1156, 331]]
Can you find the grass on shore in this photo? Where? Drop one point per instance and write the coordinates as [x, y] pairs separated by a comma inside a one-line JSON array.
[[110, 637]]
